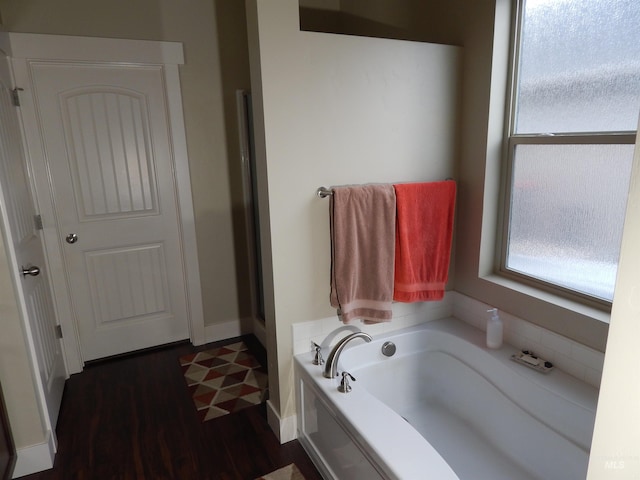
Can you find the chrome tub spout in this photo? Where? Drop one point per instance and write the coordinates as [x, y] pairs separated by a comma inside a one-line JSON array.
[[331, 367]]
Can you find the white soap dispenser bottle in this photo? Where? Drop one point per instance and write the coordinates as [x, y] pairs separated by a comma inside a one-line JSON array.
[[494, 329]]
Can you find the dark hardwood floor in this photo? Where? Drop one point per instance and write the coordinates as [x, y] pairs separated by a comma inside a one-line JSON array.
[[132, 418]]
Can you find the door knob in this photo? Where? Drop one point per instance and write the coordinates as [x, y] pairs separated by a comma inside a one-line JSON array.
[[33, 271], [72, 238]]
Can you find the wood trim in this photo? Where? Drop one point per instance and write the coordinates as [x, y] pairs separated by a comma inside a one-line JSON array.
[[185, 204], [93, 49], [233, 328]]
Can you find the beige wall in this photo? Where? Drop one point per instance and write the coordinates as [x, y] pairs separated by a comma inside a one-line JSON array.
[[16, 374], [334, 110], [320, 4], [213, 33], [615, 451]]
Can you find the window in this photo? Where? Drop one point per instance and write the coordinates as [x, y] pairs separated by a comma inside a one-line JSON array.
[[574, 111]]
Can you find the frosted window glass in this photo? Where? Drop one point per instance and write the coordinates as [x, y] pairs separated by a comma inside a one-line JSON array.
[[567, 212], [579, 66]]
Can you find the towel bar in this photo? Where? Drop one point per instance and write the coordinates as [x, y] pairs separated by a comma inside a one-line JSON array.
[[324, 192]]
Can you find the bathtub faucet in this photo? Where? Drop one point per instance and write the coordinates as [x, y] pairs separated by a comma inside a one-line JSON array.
[[331, 367]]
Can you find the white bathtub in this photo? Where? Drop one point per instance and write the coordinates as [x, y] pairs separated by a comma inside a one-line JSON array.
[[443, 407]]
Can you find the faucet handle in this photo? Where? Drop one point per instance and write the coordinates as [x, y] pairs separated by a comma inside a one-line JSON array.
[[317, 360], [345, 387]]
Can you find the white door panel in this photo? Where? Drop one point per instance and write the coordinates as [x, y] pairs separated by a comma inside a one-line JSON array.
[[106, 135], [26, 250]]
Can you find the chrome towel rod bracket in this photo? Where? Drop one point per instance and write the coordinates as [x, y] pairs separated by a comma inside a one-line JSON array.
[[324, 192]]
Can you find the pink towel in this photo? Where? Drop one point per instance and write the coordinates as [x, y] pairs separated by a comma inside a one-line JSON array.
[[362, 220], [423, 240]]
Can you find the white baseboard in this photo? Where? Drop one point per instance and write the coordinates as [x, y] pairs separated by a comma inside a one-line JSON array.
[[285, 428], [35, 458], [260, 331], [230, 329]]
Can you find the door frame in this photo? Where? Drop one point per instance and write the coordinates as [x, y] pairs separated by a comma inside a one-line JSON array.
[[26, 48]]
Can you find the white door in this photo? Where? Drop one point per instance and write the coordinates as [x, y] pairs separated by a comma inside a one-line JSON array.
[[25, 250], [105, 134]]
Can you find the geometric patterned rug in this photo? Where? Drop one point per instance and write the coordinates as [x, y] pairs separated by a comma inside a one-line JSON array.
[[290, 472], [224, 380]]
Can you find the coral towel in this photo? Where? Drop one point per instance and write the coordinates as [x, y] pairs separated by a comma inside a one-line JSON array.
[[423, 240], [362, 220]]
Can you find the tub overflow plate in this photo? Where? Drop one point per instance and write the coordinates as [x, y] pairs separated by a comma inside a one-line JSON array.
[[388, 349]]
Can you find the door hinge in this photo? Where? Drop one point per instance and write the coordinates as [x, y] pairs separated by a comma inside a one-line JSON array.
[[59, 331], [15, 96], [37, 221]]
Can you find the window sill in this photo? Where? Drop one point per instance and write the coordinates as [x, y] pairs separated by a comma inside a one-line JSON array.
[[587, 311]]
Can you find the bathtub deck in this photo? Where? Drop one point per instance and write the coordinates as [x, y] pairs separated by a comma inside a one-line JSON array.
[[468, 453]]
